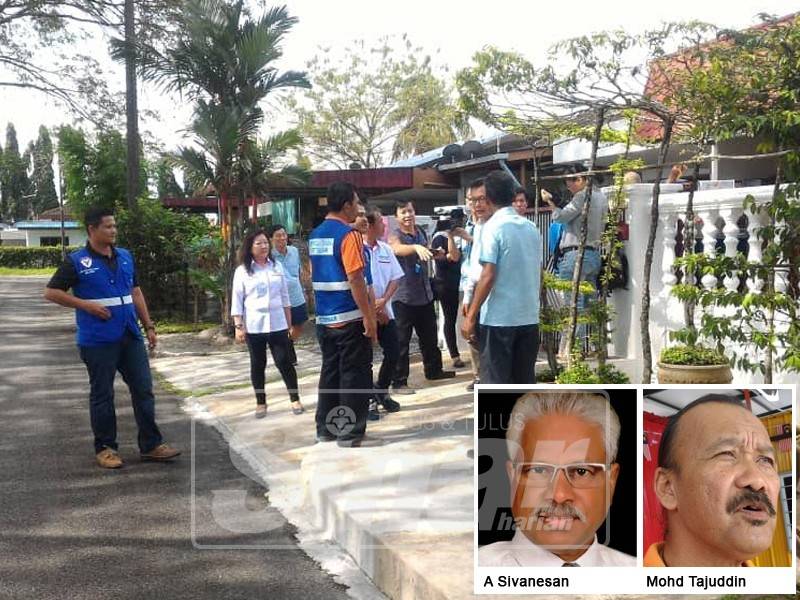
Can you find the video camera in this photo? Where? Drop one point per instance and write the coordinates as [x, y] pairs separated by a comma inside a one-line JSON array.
[[450, 218]]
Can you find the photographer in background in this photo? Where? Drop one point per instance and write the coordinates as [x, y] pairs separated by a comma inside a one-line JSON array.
[[447, 276]]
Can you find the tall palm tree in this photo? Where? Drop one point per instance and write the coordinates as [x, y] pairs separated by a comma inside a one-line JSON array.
[[224, 60]]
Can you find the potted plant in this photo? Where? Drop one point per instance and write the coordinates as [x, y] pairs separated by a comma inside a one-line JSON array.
[[686, 363]]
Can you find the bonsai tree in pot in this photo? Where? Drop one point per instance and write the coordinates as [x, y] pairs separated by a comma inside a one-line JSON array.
[[691, 362]]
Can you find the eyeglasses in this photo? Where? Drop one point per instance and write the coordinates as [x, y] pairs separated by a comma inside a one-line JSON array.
[[579, 475]]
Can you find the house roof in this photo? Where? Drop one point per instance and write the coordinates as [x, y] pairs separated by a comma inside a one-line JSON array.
[[47, 225]]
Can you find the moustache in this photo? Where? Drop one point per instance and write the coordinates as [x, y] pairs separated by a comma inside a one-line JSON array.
[[552, 509], [747, 497]]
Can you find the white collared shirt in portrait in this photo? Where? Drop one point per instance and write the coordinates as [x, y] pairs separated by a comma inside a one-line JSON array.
[[521, 552]]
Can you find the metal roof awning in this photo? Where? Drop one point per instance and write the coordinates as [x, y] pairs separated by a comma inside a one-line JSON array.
[[474, 162]]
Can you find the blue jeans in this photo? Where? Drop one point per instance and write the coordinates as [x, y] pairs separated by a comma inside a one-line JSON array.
[[589, 272], [129, 357]]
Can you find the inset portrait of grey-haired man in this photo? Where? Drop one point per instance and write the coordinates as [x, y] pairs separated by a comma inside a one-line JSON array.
[[562, 452]]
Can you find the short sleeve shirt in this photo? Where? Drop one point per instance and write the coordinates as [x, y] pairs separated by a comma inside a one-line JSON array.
[[415, 286], [514, 246]]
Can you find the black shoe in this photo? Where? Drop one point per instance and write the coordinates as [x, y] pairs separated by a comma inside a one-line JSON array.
[[388, 404], [360, 442], [325, 437], [402, 389], [373, 414], [458, 363], [471, 386], [441, 375]]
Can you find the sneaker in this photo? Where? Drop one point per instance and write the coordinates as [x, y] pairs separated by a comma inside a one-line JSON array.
[[373, 414], [441, 375], [458, 363], [403, 390], [471, 385], [161, 452], [108, 458], [388, 404], [261, 411]]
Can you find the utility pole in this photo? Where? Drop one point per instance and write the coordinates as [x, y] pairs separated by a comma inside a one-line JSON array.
[[131, 109]]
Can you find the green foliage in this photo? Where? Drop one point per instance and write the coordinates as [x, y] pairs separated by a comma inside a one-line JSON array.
[[33, 257], [375, 105], [14, 179], [95, 172], [580, 372], [166, 184], [692, 355], [610, 374], [42, 180], [161, 241], [166, 327]]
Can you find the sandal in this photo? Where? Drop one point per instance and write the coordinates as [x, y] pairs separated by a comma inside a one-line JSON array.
[[261, 411], [297, 408]]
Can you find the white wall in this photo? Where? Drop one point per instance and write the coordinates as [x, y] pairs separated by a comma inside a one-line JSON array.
[[76, 237]]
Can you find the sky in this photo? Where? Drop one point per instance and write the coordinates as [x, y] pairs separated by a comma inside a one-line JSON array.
[[449, 30]]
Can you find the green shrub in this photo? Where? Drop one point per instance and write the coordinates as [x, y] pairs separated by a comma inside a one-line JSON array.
[[35, 257], [611, 374], [692, 355], [579, 373]]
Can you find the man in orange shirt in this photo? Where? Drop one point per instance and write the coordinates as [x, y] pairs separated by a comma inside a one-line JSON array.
[[718, 483], [346, 324]]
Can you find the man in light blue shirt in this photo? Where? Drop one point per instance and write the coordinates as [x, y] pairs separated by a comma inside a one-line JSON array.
[[289, 259], [507, 293]]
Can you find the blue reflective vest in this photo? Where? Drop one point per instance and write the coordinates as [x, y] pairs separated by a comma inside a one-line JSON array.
[[334, 300], [98, 283]]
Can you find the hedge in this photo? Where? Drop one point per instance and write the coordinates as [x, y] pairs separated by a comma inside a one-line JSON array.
[[36, 257]]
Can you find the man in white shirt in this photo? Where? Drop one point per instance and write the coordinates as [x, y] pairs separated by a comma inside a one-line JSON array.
[[386, 273], [470, 264], [562, 449]]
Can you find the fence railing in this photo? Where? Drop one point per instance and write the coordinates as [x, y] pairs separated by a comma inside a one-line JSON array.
[[721, 226]]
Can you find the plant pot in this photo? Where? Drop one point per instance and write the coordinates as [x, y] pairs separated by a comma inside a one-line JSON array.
[[694, 373]]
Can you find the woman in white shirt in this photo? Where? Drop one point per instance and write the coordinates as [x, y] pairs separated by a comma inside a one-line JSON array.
[[261, 313]]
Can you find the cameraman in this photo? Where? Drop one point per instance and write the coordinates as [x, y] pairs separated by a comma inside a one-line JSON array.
[[447, 276]]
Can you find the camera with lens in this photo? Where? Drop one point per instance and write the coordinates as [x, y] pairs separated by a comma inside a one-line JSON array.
[[450, 218]]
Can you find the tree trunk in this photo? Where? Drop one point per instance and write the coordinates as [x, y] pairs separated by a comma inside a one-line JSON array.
[[644, 319], [688, 246], [131, 110], [576, 273], [769, 358]]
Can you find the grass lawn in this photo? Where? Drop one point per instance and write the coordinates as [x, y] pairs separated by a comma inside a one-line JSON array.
[[178, 327], [17, 272]]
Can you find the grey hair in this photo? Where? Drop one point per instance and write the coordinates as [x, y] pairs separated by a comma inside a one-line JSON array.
[[591, 407]]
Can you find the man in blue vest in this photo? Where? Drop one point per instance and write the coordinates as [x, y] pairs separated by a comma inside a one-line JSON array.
[[346, 324], [107, 301]]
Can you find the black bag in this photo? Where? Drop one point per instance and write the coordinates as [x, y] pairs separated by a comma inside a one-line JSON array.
[[618, 279]]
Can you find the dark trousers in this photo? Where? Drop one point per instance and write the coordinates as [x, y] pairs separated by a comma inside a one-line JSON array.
[[129, 357], [278, 342], [508, 354], [387, 338], [345, 381], [422, 319], [448, 300]]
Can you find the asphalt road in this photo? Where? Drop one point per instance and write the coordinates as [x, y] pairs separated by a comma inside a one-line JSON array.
[[69, 529]]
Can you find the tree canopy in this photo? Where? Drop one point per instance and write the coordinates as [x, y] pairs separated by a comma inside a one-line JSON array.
[[377, 105]]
